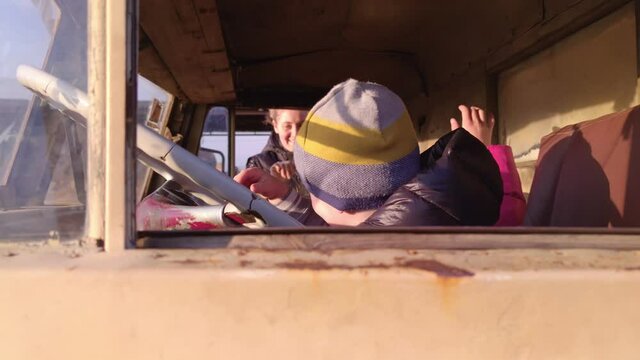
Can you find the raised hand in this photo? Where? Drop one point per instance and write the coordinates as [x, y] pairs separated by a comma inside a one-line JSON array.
[[476, 121], [283, 169], [258, 181]]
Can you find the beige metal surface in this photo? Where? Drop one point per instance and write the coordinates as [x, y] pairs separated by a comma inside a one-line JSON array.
[[385, 304], [118, 222], [96, 135]]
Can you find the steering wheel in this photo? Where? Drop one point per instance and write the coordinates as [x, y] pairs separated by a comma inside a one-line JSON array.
[[163, 156]]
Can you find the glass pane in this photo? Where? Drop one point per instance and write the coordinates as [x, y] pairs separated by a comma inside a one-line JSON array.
[[248, 144], [214, 144], [152, 112], [42, 152]]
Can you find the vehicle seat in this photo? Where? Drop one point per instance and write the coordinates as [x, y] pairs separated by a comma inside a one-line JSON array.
[[588, 174]]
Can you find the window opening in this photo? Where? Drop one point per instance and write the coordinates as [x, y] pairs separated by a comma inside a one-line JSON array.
[[153, 111], [42, 151]]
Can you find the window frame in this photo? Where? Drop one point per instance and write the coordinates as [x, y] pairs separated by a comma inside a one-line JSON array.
[[111, 126], [118, 225]]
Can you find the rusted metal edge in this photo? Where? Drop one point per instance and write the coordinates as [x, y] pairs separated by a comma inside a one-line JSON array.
[[331, 240], [403, 230], [434, 266], [70, 248]]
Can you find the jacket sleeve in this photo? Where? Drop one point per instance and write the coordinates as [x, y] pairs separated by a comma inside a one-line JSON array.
[[404, 208], [514, 205], [299, 207], [253, 162]]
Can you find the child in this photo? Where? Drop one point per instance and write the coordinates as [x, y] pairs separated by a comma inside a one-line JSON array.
[[357, 155]]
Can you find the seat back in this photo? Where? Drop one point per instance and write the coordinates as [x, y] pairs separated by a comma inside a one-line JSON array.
[[588, 174]]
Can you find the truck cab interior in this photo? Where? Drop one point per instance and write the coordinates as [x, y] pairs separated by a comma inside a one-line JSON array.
[[507, 57], [212, 68]]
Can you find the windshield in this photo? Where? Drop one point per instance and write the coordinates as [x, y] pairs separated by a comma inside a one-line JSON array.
[[42, 152]]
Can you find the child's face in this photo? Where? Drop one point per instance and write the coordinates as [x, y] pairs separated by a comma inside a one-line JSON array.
[[286, 125]]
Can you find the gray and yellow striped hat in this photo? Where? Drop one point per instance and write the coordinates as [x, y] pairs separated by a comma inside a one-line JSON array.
[[356, 146]]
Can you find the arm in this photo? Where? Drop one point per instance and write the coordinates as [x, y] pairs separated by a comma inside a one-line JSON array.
[[252, 162], [281, 194], [299, 207], [480, 124]]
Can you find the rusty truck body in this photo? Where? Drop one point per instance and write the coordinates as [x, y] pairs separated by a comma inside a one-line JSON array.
[[90, 87]]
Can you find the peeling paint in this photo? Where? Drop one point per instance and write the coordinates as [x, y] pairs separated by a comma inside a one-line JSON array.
[[439, 268], [433, 266], [317, 265], [189, 262], [243, 252]]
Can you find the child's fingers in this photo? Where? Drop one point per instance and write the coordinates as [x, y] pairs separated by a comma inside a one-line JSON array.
[[249, 176], [482, 116], [454, 124], [465, 113], [475, 116]]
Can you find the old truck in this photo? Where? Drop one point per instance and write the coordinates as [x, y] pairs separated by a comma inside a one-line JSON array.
[[103, 101]]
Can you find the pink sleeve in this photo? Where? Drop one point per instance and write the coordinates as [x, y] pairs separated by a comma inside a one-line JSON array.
[[514, 205]]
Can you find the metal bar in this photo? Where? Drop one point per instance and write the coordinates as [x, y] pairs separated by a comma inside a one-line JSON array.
[[131, 119], [328, 241], [120, 143], [232, 142], [96, 132], [637, 42]]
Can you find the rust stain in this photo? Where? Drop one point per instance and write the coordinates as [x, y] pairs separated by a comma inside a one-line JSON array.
[[188, 262], [311, 265], [196, 262], [245, 263], [448, 282], [243, 252], [433, 266], [447, 286], [442, 270], [632, 268]]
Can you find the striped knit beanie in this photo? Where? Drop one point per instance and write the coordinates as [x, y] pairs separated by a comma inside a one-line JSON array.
[[356, 146]]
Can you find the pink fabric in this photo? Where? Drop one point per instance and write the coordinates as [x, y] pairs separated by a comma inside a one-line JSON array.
[[154, 213], [514, 204]]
